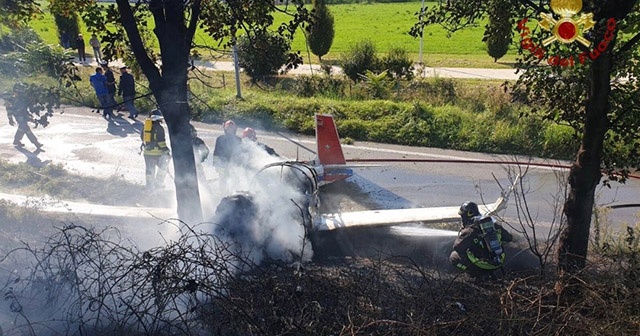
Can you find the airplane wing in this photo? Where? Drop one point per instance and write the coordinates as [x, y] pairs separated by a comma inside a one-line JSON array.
[[334, 221]]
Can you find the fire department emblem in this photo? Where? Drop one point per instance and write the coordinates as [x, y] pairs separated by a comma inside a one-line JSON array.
[[567, 28]]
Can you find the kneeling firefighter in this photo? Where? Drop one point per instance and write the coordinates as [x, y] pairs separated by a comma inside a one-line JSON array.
[[156, 152], [478, 248]]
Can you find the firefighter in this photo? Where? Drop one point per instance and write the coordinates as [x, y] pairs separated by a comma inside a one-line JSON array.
[[250, 135], [478, 249], [156, 152], [226, 144], [18, 112]]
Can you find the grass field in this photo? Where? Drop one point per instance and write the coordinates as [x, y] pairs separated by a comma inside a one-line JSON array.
[[386, 24]]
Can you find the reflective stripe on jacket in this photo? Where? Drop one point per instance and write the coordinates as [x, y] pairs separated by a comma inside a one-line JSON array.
[[158, 145]]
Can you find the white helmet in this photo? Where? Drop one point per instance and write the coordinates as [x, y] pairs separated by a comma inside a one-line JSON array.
[[156, 115]]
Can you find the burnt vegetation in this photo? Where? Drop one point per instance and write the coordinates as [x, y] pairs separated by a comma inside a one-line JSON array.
[[88, 281]]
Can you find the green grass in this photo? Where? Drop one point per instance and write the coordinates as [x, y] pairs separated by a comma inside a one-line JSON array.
[[386, 24]]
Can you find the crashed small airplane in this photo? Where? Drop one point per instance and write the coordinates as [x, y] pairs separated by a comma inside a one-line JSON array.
[[306, 178]]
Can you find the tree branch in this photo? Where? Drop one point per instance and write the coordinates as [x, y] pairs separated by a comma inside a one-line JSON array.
[[629, 44], [155, 7], [137, 46], [533, 5], [196, 9]]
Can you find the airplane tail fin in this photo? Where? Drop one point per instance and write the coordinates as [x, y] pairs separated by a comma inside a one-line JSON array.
[[329, 151], [328, 142]]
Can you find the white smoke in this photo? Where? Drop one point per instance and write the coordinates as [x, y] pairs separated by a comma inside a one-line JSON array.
[[277, 231]]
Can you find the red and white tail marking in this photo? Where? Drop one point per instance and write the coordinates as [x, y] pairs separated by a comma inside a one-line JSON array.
[[328, 142], [330, 155]]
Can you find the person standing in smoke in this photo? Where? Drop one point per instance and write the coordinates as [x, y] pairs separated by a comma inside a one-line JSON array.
[[200, 153], [226, 145], [225, 149], [156, 152], [18, 112], [249, 134]]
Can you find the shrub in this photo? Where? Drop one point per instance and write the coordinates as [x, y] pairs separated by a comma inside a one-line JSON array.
[[310, 86], [377, 86], [398, 63], [434, 90], [559, 141], [360, 58], [263, 54], [354, 129]]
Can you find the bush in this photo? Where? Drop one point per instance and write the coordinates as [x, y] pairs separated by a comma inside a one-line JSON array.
[[376, 86], [398, 63], [264, 54], [560, 141], [434, 90], [360, 58], [310, 86]]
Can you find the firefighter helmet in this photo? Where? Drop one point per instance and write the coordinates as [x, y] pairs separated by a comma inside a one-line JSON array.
[[156, 115], [229, 126], [468, 210], [250, 134]]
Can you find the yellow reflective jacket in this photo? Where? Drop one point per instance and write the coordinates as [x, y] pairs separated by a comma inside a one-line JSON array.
[[153, 138]]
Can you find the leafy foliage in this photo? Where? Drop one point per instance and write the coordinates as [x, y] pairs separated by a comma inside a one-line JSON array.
[[378, 86], [16, 13], [321, 31], [40, 58], [398, 63], [39, 100], [360, 58], [328, 86], [588, 95], [22, 56], [264, 54]]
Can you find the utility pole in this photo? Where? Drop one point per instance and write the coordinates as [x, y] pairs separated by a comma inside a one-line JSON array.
[[421, 36], [237, 68]]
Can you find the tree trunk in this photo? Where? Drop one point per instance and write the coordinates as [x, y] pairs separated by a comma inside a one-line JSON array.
[[169, 87], [177, 115], [175, 48], [585, 172]]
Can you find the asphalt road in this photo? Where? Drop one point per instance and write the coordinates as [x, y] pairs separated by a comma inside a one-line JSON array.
[[87, 144]]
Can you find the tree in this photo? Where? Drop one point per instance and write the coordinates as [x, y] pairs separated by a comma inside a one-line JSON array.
[[584, 91], [321, 31], [264, 54], [123, 29], [498, 32]]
